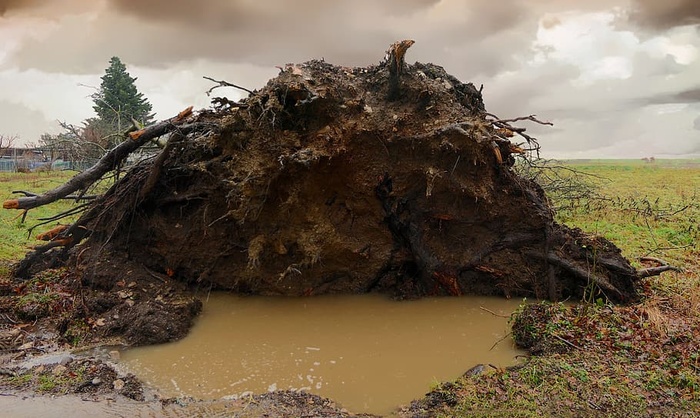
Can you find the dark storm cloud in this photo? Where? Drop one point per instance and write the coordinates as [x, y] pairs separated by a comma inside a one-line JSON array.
[[665, 14], [159, 33], [230, 15], [7, 5], [687, 96], [345, 32]]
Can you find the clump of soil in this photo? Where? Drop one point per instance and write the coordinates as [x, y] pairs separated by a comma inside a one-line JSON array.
[[531, 328], [323, 182], [282, 403], [136, 308]]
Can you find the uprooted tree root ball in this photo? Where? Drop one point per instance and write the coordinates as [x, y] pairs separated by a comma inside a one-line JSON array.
[[391, 178]]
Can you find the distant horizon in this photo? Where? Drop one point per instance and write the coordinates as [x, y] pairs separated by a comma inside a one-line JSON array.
[[659, 157]]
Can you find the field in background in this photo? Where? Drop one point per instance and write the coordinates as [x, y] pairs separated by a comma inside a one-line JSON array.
[[647, 209], [15, 240]]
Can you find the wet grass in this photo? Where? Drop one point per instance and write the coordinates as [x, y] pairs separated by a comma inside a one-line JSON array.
[[594, 359], [645, 209], [15, 228], [16, 240]]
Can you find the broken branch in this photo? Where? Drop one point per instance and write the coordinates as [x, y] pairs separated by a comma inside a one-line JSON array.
[[655, 271], [69, 197], [108, 162]]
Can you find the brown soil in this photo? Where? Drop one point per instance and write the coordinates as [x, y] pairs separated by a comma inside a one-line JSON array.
[[320, 182]]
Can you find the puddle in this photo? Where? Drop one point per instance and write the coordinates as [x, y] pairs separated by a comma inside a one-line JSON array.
[[368, 353]]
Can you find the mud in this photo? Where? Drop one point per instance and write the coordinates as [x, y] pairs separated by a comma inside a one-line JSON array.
[[283, 404]]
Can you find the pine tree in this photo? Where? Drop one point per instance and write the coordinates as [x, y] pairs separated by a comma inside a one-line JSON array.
[[118, 100]]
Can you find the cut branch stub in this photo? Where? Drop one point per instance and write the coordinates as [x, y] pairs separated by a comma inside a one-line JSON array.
[[108, 162], [51, 233], [395, 61]]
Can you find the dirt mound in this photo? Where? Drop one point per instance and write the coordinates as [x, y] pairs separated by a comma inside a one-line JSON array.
[[333, 179]]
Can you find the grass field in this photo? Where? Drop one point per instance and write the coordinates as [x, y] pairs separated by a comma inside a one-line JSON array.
[[15, 236], [646, 209]]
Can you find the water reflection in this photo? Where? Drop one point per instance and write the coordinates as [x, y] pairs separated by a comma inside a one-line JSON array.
[[368, 353]]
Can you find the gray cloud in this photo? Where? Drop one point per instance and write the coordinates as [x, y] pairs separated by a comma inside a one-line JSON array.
[[483, 41], [665, 14], [7, 5], [696, 125], [160, 33], [477, 39], [691, 95], [29, 124]]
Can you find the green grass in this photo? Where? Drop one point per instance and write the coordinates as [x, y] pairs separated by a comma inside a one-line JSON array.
[[649, 209], [15, 233]]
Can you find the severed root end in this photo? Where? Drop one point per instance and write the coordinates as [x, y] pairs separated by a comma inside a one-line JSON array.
[[51, 233], [136, 134], [179, 118], [63, 242], [395, 60], [182, 115], [396, 54], [11, 204]]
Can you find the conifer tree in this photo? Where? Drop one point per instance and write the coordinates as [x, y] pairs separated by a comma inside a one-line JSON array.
[[118, 100]]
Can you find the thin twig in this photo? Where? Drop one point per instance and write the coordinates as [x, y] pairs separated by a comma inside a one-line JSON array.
[[499, 341], [567, 342], [530, 118], [492, 312], [455, 166], [655, 260], [69, 212], [223, 83]]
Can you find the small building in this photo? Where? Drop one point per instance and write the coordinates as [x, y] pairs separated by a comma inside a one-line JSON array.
[[14, 159]]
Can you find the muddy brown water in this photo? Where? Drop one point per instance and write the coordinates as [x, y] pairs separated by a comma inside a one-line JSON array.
[[368, 353]]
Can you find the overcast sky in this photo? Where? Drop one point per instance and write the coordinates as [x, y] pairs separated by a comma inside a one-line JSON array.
[[618, 78]]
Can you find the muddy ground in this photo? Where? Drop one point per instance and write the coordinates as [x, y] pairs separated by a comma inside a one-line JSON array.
[[59, 338]]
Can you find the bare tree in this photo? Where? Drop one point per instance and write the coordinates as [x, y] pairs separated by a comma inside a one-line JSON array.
[[7, 141]]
